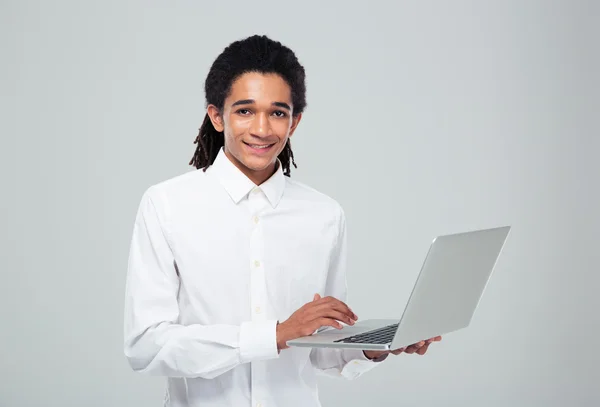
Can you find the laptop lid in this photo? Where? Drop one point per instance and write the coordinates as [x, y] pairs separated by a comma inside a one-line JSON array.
[[450, 284]]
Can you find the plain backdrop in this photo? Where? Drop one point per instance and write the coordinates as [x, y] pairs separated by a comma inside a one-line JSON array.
[[423, 118]]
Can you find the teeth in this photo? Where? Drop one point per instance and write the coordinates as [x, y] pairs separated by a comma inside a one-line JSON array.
[[257, 146]]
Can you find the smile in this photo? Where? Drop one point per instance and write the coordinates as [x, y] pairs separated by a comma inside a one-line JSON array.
[[259, 147]]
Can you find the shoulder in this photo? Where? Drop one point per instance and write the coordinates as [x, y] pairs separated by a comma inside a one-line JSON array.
[[180, 182], [299, 191], [182, 187]]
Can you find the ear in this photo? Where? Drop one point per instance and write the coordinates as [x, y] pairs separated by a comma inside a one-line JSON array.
[[295, 123], [215, 118]]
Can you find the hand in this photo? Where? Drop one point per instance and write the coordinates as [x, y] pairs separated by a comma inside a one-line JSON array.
[[312, 316], [420, 348]]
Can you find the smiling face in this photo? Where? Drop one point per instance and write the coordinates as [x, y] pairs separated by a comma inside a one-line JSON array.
[[257, 121]]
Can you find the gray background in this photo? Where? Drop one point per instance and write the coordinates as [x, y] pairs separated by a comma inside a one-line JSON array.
[[423, 118]]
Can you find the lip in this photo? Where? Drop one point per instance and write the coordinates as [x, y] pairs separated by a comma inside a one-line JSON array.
[[259, 151]]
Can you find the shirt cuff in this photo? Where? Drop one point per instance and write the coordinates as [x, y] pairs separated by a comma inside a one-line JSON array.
[[258, 341], [357, 363]]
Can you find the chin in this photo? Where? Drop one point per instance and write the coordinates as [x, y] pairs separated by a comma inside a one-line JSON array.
[[258, 163], [258, 160]]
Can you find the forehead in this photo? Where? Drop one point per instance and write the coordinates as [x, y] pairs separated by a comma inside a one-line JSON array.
[[260, 87]]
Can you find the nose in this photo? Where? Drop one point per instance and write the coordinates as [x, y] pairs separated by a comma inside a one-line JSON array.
[[260, 126]]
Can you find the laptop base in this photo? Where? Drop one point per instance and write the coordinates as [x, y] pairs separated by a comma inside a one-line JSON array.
[[327, 338]]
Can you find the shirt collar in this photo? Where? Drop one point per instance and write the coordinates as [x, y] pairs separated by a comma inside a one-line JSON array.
[[238, 185]]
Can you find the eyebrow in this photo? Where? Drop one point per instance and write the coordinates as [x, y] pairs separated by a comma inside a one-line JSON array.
[[251, 101]]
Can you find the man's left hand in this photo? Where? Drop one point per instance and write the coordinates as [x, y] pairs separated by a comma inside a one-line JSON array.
[[420, 348]]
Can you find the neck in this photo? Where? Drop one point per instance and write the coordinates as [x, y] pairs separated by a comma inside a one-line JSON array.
[[256, 176]]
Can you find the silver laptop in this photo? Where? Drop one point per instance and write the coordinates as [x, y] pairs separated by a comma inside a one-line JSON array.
[[448, 289]]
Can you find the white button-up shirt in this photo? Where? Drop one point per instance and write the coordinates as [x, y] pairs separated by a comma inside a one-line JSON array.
[[215, 262]]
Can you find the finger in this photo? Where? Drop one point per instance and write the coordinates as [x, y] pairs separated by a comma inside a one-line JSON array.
[[311, 327], [414, 347], [333, 314], [421, 351], [398, 351], [326, 322], [431, 340], [332, 300], [410, 350], [332, 303], [317, 297], [331, 310]]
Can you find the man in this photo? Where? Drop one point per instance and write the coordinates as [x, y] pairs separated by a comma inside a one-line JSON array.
[[229, 262]]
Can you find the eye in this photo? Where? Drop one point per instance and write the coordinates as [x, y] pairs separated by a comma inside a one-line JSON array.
[[243, 112], [280, 113]]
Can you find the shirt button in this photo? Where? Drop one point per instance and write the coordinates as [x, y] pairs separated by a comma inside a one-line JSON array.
[[256, 190], [256, 263], [258, 405], [255, 219], [257, 310]]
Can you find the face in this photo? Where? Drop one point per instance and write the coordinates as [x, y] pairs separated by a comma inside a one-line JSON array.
[[257, 121]]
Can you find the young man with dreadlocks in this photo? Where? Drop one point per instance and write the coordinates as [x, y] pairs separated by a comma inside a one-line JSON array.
[[230, 261]]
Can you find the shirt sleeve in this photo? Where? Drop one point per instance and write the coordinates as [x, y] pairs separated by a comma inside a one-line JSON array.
[[346, 363], [154, 342]]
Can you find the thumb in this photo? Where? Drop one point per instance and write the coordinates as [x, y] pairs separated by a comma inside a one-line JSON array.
[[316, 297]]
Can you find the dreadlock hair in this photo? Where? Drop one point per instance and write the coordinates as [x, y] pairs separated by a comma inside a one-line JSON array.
[[253, 54]]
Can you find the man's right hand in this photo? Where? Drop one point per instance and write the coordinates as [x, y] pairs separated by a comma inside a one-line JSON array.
[[312, 316]]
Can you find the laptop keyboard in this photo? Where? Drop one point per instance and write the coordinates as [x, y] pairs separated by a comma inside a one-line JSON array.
[[377, 336]]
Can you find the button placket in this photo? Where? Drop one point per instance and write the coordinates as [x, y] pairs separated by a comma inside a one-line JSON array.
[[258, 310], [258, 307]]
